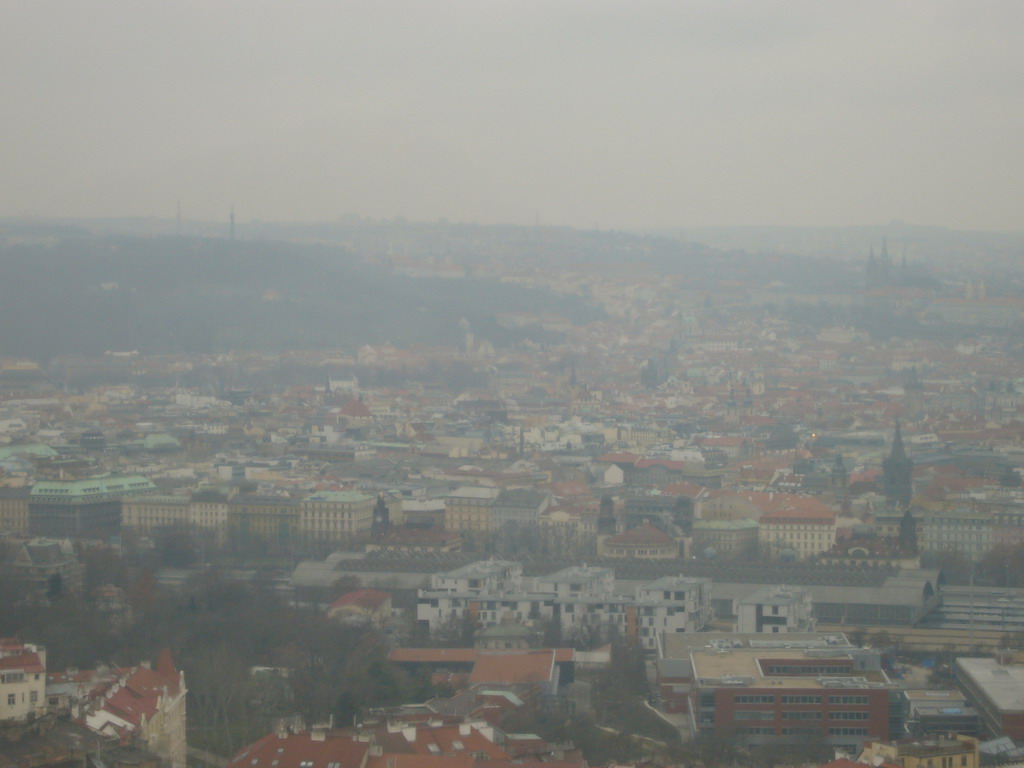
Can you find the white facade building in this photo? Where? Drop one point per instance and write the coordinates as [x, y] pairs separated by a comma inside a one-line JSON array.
[[582, 599], [775, 610]]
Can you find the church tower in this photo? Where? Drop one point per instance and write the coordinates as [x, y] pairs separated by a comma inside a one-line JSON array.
[[606, 523], [381, 519], [908, 533], [897, 472]]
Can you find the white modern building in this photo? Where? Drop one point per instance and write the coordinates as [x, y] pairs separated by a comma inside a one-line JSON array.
[[775, 610], [583, 600]]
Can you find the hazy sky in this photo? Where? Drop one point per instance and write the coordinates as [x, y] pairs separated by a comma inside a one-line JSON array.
[[619, 114]]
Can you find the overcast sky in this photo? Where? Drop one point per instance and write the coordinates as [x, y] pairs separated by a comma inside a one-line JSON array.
[[616, 114]]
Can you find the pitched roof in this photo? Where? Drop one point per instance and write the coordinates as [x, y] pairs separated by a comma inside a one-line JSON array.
[[26, 661], [356, 409], [531, 667], [301, 750], [642, 534], [370, 599]]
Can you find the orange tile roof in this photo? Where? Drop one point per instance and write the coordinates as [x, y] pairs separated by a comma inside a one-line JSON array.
[[528, 667]]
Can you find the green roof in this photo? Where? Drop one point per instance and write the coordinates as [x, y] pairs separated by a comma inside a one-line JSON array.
[[160, 440], [339, 497], [92, 488], [32, 449], [724, 525], [153, 498]]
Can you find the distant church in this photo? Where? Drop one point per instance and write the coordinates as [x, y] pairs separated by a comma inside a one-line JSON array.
[[880, 272]]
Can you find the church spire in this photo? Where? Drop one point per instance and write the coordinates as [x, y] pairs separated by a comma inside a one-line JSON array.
[[897, 472]]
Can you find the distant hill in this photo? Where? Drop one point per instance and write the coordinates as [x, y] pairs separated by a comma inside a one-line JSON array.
[[89, 294]]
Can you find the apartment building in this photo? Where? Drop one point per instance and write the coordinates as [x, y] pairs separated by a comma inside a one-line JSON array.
[[22, 681], [336, 516], [583, 600], [775, 610]]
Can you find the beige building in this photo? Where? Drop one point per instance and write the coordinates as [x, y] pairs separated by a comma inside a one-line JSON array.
[[728, 538], [207, 511], [955, 751], [645, 541], [147, 513], [22, 681], [468, 509], [800, 533], [336, 516], [14, 509]]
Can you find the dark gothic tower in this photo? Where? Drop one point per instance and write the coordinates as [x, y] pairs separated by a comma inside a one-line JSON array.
[[897, 471], [839, 478], [381, 518], [908, 533], [606, 525]]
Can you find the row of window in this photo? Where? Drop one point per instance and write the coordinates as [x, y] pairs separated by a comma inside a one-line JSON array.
[[767, 730], [767, 714], [798, 669], [768, 698]]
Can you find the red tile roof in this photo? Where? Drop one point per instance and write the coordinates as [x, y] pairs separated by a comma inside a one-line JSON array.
[[618, 458], [370, 599], [27, 662], [301, 750], [642, 534]]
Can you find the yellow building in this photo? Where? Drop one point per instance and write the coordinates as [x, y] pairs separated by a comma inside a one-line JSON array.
[[955, 751], [265, 522], [468, 509], [208, 511], [146, 513], [14, 509]]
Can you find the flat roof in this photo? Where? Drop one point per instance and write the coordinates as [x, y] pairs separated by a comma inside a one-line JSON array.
[[773, 595], [481, 568], [681, 645], [576, 573], [743, 663], [1003, 684]]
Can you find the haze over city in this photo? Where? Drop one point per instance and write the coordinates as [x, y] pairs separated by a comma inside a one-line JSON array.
[[511, 384], [606, 114]]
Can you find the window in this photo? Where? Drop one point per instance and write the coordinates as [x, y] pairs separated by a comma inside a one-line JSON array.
[[801, 699], [847, 699], [11, 700], [847, 731], [755, 699], [33, 696], [848, 715], [754, 714], [806, 715]]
